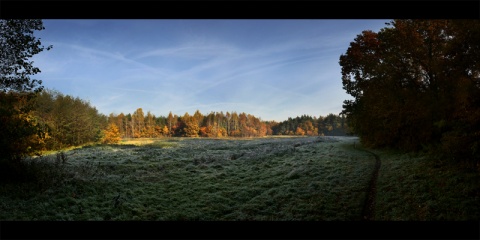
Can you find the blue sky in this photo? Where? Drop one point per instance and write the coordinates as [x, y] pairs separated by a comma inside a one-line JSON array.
[[273, 69]]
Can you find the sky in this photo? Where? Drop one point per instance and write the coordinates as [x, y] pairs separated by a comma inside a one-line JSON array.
[[272, 69]]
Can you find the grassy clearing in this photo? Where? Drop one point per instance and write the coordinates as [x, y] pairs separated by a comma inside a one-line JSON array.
[[305, 178], [200, 179]]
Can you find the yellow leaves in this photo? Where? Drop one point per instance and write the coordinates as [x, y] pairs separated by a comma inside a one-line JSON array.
[[111, 134], [299, 131], [165, 130], [21, 134], [192, 129], [222, 132]]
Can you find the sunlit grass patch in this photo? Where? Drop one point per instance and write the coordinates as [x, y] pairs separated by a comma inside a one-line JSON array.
[[136, 141]]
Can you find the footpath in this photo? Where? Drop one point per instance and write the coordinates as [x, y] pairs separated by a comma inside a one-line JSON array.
[[368, 211]]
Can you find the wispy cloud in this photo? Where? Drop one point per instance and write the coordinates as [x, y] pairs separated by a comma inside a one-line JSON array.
[[192, 50], [289, 71], [104, 57]]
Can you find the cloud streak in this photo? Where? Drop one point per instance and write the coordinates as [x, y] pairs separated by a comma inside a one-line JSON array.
[[291, 70]]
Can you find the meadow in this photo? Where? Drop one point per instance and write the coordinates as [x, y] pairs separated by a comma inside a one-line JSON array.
[[260, 179]]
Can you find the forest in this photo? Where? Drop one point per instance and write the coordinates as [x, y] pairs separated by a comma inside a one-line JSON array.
[[405, 147], [415, 87], [70, 121]]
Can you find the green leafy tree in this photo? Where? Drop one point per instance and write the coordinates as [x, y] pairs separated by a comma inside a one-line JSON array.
[[17, 46], [71, 121]]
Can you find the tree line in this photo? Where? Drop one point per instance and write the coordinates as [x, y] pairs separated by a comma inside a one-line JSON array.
[[59, 121], [415, 86], [67, 121], [215, 124], [330, 125], [219, 124]]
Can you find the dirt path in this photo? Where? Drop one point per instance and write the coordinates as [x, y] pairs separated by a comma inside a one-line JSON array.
[[369, 205]]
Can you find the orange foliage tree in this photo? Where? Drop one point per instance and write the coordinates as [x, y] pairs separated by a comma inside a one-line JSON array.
[[299, 131], [111, 134]]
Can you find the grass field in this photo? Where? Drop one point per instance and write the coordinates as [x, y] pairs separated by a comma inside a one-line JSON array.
[[303, 178]]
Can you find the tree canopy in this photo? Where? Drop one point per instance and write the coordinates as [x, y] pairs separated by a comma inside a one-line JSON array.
[[17, 46], [416, 84], [21, 133]]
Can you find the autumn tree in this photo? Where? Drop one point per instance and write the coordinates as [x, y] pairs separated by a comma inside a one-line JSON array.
[[150, 126], [270, 125], [198, 117], [205, 131], [138, 123], [21, 133], [120, 122], [191, 128], [311, 126], [234, 125], [415, 83], [461, 127], [111, 134], [69, 121], [299, 131], [171, 123], [165, 130], [129, 130]]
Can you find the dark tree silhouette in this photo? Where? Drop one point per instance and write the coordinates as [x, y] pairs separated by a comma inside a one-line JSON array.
[[21, 134], [415, 85]]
